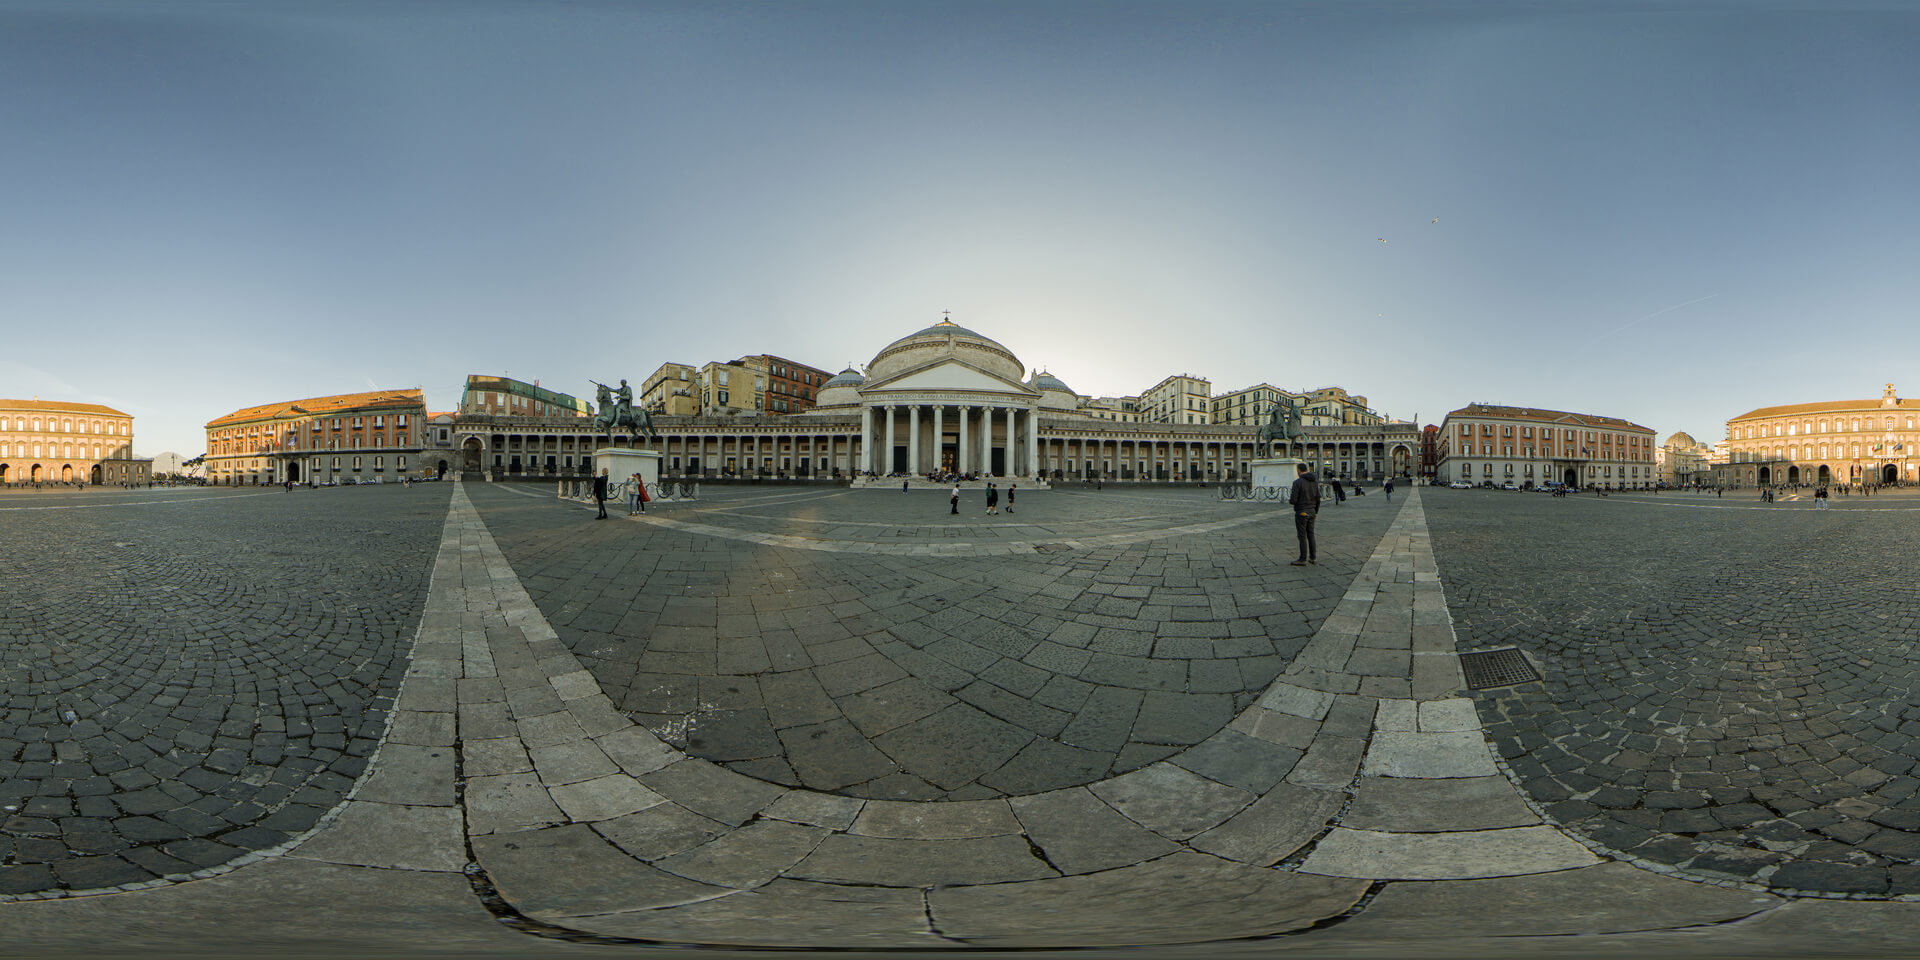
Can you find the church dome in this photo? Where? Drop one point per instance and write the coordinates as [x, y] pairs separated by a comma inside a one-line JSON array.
[[1044, 381], [945, 339], [845, 378], [1054, 393], [842, 389]]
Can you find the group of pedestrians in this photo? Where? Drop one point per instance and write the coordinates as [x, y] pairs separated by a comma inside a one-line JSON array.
[[636, 501], [993, 499]]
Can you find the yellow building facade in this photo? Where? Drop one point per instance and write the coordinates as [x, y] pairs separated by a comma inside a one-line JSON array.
[[1833, 441], [54, 441]]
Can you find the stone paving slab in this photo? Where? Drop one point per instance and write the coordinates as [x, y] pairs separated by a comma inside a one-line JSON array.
[[1080, 834], [284, 907], [1425, 806], [786, 913], [1437, 755], [1241, 902], [1276, 826], [389, 835], [1445, 856], [571, 871], [1605, 898], [912, 863]]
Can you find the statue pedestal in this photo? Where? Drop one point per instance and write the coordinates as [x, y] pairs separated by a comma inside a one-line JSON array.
[[623, 462], [1276, 472]]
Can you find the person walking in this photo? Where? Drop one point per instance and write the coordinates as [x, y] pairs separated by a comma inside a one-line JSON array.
[[640, 498], [1387, 488], [1305, 497], [600, 493], [955, 499], [1010, 489], [993, 500], [1339, 492], [903, 485], [1820, 499]]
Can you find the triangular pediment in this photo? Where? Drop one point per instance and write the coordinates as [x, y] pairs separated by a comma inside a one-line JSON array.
[[948, 373]]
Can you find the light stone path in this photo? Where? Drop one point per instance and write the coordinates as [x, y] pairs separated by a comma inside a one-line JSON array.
[[1357, 797], [965, 548]]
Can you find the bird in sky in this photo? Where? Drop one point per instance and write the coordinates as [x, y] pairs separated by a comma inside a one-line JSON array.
[[1381, 239], [1436, 219]]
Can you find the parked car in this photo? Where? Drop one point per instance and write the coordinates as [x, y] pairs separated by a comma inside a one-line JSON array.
[[1509, 485], [1460, 485]]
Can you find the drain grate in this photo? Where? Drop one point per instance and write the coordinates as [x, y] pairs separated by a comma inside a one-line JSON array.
[[1497, 668]]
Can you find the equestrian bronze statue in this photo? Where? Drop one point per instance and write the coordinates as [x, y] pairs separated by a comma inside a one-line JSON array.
[[617, 410], [1282, 424]]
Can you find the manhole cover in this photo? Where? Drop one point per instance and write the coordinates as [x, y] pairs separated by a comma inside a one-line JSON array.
[[1497, 668]]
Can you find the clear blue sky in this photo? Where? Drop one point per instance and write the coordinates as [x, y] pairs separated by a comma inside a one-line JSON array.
[[212, 205]]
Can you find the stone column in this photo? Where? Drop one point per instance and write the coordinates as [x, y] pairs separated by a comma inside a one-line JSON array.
[[939, 433], [1007, 440], [866, 436], [886, 455], [913, 441], [966, 455], [1033, 442]]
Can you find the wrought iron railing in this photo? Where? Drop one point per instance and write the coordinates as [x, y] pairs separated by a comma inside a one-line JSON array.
[[1251, 493]]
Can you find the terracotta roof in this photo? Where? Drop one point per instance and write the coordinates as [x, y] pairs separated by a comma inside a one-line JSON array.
[[1548, 416], [1826, 406], [61, 406], [325, 406]]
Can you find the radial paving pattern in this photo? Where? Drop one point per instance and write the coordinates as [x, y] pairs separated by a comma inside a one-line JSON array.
[[188, 681], [1729, 689], [1100, 642]]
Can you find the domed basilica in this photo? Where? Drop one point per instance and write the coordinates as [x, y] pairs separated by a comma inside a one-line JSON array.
[[948, 400]]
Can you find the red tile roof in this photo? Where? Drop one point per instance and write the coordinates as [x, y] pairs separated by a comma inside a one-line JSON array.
[[325, 406], [61, 406], [1825, 406], [1547, 416]]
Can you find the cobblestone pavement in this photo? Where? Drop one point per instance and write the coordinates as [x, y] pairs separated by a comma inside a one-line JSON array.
[[1354, 806], [1114, 630], [190, 675], [1731, 690]]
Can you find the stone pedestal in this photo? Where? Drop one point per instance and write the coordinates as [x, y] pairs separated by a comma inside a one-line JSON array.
[[1276, 472], [624, 462]]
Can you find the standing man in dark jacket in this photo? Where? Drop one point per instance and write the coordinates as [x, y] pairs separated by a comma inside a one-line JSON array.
[[600, 493], [1305, 498]]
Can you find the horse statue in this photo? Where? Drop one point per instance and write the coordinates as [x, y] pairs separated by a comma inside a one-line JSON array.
[[617, 410], [1281, 426]]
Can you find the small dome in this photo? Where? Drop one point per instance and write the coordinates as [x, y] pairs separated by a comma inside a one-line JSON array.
[[845, 378], [1044, 381]]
